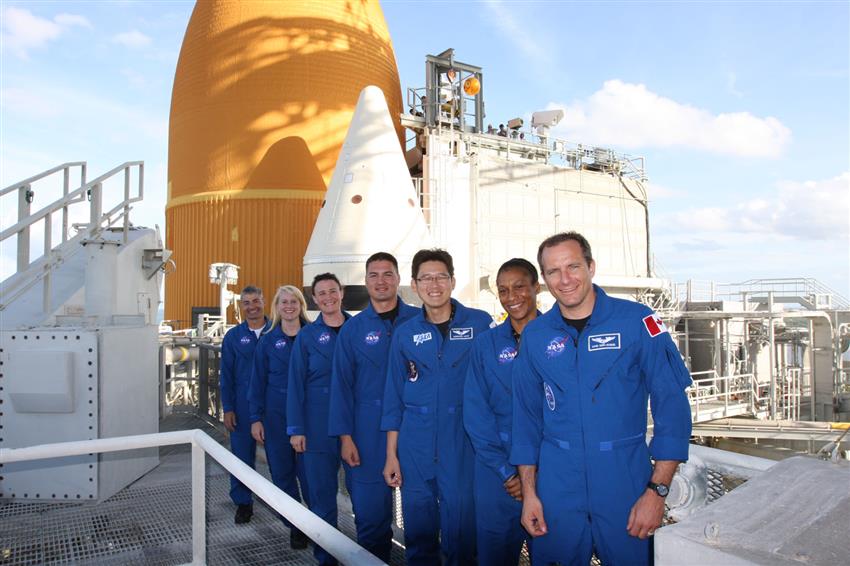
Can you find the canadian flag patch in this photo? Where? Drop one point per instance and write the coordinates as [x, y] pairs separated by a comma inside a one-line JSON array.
[[654, 325]]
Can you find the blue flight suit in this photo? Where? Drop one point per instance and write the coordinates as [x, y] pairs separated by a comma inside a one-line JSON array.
[[267, 404], [237, 364], [307, 409], [487, 418], [357, 391], [423, 401], [580, 415]]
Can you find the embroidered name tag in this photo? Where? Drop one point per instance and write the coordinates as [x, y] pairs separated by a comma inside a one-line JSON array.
[[460, 333], [603, 342]]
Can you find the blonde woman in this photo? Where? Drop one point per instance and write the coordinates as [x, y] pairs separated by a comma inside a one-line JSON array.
[[267, 396]]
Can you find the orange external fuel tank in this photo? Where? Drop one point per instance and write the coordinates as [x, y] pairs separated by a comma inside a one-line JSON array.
[[263, 96]]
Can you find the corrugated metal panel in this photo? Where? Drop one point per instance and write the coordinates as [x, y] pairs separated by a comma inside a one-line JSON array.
[[266, 238]]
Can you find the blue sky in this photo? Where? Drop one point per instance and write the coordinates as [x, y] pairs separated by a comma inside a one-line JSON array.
[[742, 109]]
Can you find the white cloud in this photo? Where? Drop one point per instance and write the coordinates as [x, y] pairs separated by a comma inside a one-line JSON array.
[[732, 85], [809, 210], [69, 20], [630, 115], [134, 78], [133, 39], [24, 31], [656, 191], [515, 33]]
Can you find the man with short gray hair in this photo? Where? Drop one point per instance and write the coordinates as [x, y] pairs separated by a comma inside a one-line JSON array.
[[237, 364]]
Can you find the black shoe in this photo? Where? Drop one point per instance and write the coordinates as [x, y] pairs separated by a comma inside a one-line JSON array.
[[297, 539], [244, 514]]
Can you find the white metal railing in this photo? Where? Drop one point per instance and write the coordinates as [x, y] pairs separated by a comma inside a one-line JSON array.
[[815, 293], [92, 191], [730, 391], [337, 544]]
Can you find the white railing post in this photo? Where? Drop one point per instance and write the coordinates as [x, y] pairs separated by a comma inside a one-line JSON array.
[[24, 201], [66, 187], [95, 207], [48, 249], [126, 224], [199, 506]]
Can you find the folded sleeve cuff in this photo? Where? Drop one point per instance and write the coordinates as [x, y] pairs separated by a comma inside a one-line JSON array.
[[295, 430], [669, 448], [506, 471], [524, 455], [390, 423]]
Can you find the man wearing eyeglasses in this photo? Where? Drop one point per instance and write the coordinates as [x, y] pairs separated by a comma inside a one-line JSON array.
[[429, 455], [357, 390]]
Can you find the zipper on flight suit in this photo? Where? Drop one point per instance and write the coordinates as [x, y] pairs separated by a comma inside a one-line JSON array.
[[583, 438]]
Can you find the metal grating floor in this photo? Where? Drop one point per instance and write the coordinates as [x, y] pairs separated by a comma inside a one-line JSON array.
[[149, 522]]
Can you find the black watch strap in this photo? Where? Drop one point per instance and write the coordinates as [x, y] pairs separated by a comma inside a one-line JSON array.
[[660, 489]]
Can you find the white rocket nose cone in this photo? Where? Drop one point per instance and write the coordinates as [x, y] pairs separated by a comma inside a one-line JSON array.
[[371, 204]]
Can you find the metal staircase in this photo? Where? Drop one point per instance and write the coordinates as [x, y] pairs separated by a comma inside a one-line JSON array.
[[85, 203]]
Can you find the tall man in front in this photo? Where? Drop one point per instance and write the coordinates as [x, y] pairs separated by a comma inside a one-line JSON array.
[[357, 391], [237, 364], [428, 453], [581, 383]]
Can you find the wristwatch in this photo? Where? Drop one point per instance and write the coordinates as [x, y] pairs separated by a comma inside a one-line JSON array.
[[659, 488]]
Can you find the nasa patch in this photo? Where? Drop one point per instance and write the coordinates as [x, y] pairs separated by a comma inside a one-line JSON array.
[[609, 341], [550, 396], [280, 344], [324, 338], [460, 333], [373, 338], [556, 346], [412, 372], [507, 355], [245, 340]]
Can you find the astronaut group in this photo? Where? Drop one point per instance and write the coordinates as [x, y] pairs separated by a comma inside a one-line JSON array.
[[530, 431]]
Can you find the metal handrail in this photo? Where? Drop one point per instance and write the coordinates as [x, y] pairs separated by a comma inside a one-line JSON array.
[[98, 220], [721, 388], [337, 544], [44, 174], [70, 198]]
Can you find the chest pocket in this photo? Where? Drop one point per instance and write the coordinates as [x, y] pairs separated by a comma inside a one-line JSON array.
[[374, 345], [245, 347], [619, 367]]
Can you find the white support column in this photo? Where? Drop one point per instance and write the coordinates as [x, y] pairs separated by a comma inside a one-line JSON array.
[[48, 249], [24, 235], [199, 506]]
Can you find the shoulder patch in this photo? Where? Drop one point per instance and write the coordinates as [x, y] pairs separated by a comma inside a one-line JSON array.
[[654, 325]]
